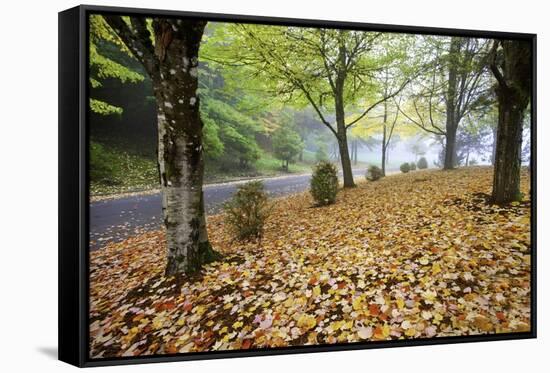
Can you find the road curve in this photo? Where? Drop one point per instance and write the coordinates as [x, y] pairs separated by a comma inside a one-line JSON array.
[[113, 220]]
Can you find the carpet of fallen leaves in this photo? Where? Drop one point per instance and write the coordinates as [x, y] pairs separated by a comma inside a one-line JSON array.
[[417, 255]]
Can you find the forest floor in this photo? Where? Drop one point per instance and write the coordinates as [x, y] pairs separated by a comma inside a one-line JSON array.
[[418, 255]]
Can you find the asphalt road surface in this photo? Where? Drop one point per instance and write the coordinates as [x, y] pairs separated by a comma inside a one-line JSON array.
[[115, 219]]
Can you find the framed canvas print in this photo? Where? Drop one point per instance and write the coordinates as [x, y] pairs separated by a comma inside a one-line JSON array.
[[234, 186]]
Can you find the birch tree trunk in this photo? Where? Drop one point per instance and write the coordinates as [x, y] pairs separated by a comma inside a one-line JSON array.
[[172, 64]]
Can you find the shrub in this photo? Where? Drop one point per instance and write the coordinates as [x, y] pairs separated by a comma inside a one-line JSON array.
[[422, 163], [324, 183], [374, 173], [412, 166], [405, 167], [472, 162], [247, 210]]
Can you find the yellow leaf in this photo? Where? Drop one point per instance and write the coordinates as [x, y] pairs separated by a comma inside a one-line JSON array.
[[410, 332], [400, 303], [317, 291], [357, 303], [306, 321]]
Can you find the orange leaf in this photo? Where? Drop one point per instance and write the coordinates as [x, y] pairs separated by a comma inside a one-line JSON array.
[[374, 309]]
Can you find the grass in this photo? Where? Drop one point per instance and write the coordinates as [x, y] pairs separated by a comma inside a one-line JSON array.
[[114, 170]]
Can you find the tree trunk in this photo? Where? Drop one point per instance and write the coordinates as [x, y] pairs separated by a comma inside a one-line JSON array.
[[180, 155], [341, 130], [345, 160], [172, 64], [513, 94], [343, 145], [452, 116], [450, 150], [494, 146], [507, 160], [384, 134]]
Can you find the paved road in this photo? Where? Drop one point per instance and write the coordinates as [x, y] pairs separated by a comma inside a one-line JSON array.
[[116, 219]]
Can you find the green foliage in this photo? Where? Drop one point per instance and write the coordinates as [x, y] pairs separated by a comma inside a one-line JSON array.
[[405, 167], [109, 59], [287, 144], [412, 166], [374, 173], [213, 145], [472, 162], [103, 108], [230, 132], [247, 211], [324, 183], [422, 163], [321, 154], [101, 164]]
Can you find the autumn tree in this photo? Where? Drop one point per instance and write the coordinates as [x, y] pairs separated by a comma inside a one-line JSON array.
[[330, 70], [511, 65], [170, 57]]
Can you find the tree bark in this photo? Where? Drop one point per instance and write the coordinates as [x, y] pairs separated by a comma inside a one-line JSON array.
[[513, 94], [494, 146], [384, 134], [343, 143], [180, 156], [451, 110], [172, 65], [450, 150]]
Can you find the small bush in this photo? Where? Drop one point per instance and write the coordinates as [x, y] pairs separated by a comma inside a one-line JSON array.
[[422, 163], [405, 167], [324, 183], [472, 162], [247, 210], [412, 166], [374, 173]]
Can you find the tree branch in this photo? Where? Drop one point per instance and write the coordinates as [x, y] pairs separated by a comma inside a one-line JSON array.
[[139, 42], [494, 67]]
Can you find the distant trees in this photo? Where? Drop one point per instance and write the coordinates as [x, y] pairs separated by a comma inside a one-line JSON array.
[[455, 85], [331, 70], [287, 145], [170, 57], [233, 133], [510, 63], [321, 154]]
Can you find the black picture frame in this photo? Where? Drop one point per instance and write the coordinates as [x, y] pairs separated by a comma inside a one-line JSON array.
[[73, 256]]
